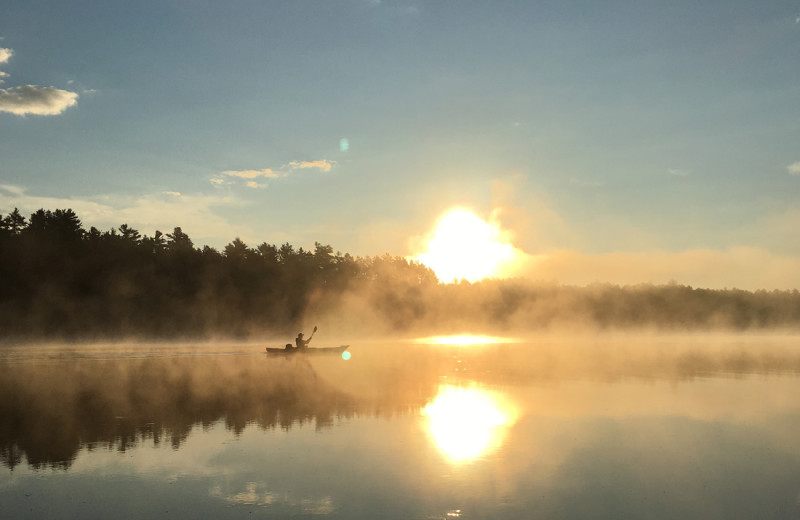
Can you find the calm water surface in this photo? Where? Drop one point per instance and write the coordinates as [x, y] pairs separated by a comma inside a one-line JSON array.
[[627, 427]]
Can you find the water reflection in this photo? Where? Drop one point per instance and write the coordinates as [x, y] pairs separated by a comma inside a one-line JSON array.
[[467, 423], [56, 401], [253, 494], [465, 340], [51, 410], [625, 429]]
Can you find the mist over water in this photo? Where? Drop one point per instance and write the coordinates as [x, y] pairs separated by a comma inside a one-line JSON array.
[[408, 427], [63, 282]]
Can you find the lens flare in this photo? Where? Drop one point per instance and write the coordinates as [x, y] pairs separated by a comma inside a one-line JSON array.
[[345, 355]]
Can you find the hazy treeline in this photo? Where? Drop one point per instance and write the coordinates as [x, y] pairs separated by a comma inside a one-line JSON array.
[[61, 281], [522, 305]]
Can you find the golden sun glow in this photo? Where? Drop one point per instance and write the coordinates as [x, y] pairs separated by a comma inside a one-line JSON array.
[[467, 423], [464, 246], [465, 340]]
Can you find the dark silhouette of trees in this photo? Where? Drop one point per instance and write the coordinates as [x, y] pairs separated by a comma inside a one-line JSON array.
[[59, 281], [62, 282], [13, 223]]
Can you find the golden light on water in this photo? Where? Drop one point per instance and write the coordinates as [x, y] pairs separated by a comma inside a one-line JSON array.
[[465, 340], [464, 246], [467, 423]]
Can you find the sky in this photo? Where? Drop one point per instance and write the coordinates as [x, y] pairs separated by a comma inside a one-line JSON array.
[[621, 141]]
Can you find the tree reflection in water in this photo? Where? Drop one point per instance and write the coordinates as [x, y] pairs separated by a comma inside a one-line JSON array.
[[51, 410]]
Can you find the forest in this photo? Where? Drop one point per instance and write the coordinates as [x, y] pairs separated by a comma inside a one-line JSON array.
[[59, 281]]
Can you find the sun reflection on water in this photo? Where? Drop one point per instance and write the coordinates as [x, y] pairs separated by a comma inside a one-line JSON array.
[[467, 423], [465, 339]]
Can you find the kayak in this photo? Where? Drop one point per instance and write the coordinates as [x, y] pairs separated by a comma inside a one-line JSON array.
[[307, 350]]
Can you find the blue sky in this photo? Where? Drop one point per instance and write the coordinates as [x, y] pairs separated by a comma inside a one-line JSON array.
[[609, 133]]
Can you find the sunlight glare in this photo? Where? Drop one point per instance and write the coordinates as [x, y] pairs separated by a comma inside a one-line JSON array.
[[465, 340], [464, 246], [467, 423]]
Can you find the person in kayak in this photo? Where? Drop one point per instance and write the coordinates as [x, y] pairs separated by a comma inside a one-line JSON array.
[[300, 342], [303, 343]]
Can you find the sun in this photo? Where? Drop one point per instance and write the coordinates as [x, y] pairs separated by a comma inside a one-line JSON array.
[[466, 247]]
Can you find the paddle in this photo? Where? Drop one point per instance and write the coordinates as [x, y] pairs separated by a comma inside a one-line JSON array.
[[312, 333]]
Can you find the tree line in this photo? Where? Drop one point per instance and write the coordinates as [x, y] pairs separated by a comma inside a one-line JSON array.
[[60, 281]]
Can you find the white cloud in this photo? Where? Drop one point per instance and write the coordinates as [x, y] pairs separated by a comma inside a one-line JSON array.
[[30, 99], [251, 176], [254, 174], [322, 164], [5, 55], [794, 168]]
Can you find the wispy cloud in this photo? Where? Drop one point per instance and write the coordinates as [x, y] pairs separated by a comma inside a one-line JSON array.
[[5, 55], [10, 190], [794, 168], [249, 176], [322, 164], [252, 176]]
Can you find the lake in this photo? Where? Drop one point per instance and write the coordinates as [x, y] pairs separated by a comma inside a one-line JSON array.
[[602, 427]]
